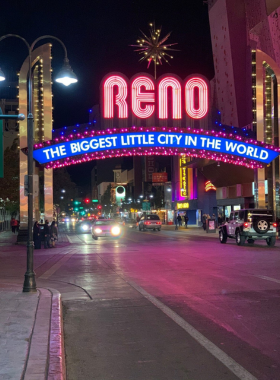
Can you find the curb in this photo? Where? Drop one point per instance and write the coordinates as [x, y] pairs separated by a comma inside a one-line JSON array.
[[57, 368], [45, 357]]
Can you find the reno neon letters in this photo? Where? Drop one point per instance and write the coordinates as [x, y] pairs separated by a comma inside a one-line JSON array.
[[147, 97]]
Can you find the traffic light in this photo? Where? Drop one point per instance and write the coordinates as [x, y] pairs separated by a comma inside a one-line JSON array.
[[99, 207], [87, 200]]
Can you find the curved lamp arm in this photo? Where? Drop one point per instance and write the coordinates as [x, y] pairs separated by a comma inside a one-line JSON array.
[[54, 38]]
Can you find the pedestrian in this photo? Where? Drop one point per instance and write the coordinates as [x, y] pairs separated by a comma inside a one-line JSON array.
[[137, 219], [37, 236], [204, 217], [13, 225], [186, 220], [17, 226], [54, 234], [47, 236], [179, 218], [220, 220]]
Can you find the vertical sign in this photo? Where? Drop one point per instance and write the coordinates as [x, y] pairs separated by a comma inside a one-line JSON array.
[[183, 177], [150, 168], [1, 146]]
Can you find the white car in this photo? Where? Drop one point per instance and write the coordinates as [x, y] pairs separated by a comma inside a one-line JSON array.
[[105, 228]]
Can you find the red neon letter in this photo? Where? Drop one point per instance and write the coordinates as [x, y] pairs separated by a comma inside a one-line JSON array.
[[138, 97], [196, 113], [176, 98], [120, 100]]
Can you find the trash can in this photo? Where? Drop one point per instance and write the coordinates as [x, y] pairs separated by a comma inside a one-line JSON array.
[[211, 226]]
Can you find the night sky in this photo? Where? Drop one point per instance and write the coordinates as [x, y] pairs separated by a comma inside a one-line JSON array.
[[97, 35]]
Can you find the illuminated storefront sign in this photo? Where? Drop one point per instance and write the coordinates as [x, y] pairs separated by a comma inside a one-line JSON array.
[[181, 206], [209, 186], [183, 177], [147, 95], [196, 144]]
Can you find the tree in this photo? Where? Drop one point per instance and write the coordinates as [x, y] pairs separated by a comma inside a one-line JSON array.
[[9, 185]]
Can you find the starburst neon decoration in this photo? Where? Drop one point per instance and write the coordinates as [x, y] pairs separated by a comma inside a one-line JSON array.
[[154, 48]]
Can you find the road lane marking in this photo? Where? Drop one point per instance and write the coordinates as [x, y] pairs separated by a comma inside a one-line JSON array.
[[56, 266], [267, 278], [230, 363]]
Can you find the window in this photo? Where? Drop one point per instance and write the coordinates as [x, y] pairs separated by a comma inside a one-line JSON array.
[[231, 216], [241, 215], [152, 217], [105, 222]]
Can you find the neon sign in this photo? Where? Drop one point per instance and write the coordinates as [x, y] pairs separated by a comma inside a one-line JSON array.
[[222, 148], [118, 100], [146, 94], [183, 177], [183, 205], [209, 186]]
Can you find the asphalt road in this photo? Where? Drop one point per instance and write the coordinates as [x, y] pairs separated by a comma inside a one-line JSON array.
[[167, 305]]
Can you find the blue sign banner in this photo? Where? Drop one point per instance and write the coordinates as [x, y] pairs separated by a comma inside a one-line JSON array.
[[130, 140]]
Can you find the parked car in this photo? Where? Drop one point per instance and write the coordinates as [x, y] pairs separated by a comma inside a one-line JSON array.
[[105, 228], [250, 225], [150, 222]]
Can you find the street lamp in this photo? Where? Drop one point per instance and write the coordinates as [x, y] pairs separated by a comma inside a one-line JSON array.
[[66, 76], [141, 196]]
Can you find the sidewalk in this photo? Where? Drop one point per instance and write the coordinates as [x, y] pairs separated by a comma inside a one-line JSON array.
[[191, 230], [30, 323]]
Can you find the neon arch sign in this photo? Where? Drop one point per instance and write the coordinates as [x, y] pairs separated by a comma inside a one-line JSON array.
[[138, 141], [143, 96]]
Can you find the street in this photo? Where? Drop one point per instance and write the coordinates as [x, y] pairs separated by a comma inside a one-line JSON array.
[[227, 293], [162, 305]]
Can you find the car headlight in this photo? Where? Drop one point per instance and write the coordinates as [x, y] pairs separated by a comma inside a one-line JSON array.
[[116, 231], [97, 230], [85, 227], [73, 220]]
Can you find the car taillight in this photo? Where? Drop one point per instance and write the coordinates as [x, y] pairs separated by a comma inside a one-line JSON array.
[[147, 222], [246, 224], [158, 222], [274, 224]]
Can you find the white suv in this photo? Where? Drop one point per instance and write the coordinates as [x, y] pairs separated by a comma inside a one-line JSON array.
[[250, 225]]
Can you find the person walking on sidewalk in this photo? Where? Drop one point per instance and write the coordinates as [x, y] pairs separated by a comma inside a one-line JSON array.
[[179, 218], [36, 236], [47, 233], [186, 220], [54, 234], [204, 217], [13, 225]]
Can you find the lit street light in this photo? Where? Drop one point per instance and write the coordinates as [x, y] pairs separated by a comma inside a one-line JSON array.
[[63, 191], [66, 76]]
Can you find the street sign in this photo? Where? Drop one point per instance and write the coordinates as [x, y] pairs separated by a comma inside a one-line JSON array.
[[95, 200], [1, 147], [146, 206]]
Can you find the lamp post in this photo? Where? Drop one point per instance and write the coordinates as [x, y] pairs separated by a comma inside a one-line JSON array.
[[66, 76]]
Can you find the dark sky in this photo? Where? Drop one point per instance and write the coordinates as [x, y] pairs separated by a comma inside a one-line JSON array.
[[97, 35]]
